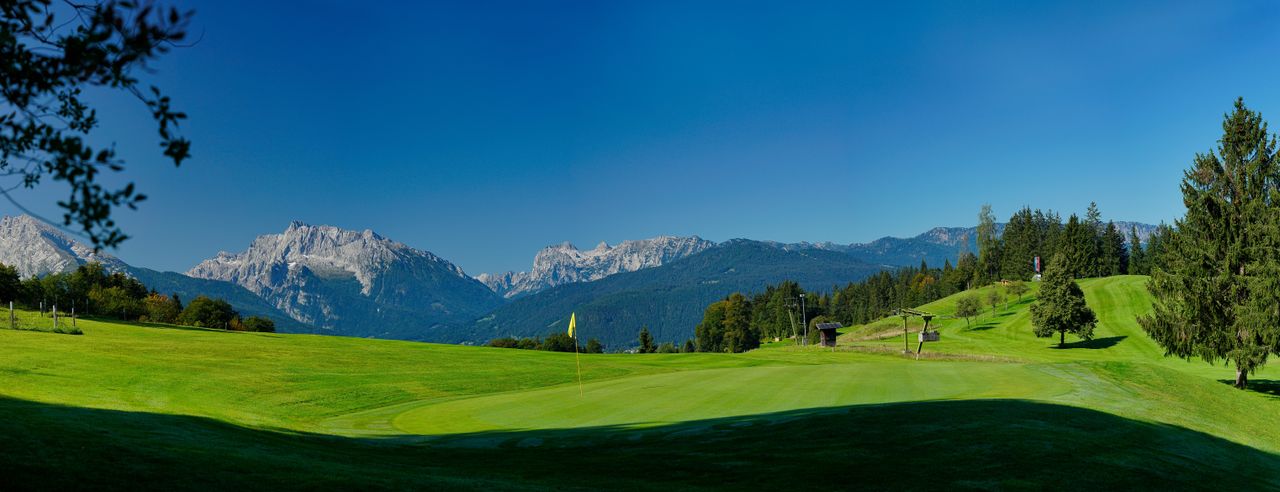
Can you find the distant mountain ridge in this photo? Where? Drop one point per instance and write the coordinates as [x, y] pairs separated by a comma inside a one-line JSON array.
[[934, 246], [352, 283], [668, 299], [36, 248], [565, 263]]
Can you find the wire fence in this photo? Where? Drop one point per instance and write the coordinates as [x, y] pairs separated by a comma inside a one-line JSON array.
[[49, 321]]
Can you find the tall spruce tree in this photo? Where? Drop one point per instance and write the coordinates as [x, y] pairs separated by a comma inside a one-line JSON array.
[[1216, 290], [646, 341], [1061, 307], [1019, 242], [1094, 265], [1115, 256], [1137, 257], [1076, 245], [988, 247]]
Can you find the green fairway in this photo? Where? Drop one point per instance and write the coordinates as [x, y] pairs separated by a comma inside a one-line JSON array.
[[991, 407]]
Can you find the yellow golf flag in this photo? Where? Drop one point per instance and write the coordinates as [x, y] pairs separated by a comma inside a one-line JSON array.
[[573, 322]]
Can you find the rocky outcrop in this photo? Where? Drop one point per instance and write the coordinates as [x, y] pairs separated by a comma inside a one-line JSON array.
[[564, 263]]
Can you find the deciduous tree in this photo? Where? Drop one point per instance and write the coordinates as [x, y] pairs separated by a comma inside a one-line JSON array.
[[967, 307], [50, 58], [1018, 289]]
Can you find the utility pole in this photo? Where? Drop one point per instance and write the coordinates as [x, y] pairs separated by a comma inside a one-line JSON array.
[[803, 320]]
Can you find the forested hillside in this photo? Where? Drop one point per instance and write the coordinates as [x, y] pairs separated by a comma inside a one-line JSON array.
[[669, 299]]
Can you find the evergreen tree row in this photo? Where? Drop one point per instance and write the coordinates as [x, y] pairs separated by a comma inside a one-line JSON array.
[[738, 323], [1090, 248]]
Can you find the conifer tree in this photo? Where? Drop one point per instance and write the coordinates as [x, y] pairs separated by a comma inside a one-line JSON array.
[[1019, 242], [988, 247], [646, 341], [1094, 265], [1076, 245], [1115, 256], [1216, 290], [1137, 257], [1061, 307]]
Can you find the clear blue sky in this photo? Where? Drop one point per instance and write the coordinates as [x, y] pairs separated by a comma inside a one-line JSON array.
[[484, 131]]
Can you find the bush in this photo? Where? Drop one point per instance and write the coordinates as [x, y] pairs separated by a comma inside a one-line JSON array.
[[594, 346], [667, 348], [10, 284], [161, 308], [212, 313], [116, 301], [504, 342], [559, 342], [259, 324]]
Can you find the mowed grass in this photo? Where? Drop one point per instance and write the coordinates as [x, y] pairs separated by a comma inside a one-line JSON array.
[[196, 408]]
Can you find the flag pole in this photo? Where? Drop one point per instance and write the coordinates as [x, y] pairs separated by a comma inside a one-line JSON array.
[[573, 335], [578, 362]]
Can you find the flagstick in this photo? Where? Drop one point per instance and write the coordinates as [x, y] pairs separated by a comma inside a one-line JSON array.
[[579, 364]]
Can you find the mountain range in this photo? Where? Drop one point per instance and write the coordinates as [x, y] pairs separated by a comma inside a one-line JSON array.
[[322, 279], [353, 283], [564, 263], [668, 299]]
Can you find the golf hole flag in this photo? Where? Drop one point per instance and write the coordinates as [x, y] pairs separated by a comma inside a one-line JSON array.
[[573, 333]]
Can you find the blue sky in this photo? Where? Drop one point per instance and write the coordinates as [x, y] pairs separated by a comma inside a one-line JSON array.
[[483, 131]]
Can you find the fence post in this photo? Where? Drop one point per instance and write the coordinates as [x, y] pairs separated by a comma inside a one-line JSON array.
[[55, 318], [13, 322]]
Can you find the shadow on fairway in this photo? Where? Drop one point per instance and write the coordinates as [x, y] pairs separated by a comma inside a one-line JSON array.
[[1097, 343], [1269, 387], [988, 444]]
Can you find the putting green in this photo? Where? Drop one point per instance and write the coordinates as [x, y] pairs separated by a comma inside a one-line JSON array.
[[665, 399]]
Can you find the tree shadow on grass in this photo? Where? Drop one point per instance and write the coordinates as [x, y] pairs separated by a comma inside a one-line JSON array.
[[967, 444], [1269, 387], [1094, 344], [982, 327]]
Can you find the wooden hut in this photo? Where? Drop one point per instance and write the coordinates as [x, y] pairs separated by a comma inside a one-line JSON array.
[[827, 332]]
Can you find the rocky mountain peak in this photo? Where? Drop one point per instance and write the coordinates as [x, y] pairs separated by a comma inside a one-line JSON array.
[[565, 263], [36, 248], [304, 269]]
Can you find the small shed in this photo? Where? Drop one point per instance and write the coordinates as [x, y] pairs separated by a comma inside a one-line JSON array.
[[828, 334]]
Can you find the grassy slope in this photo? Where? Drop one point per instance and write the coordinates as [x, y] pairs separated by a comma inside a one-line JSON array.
[[289, 410]]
